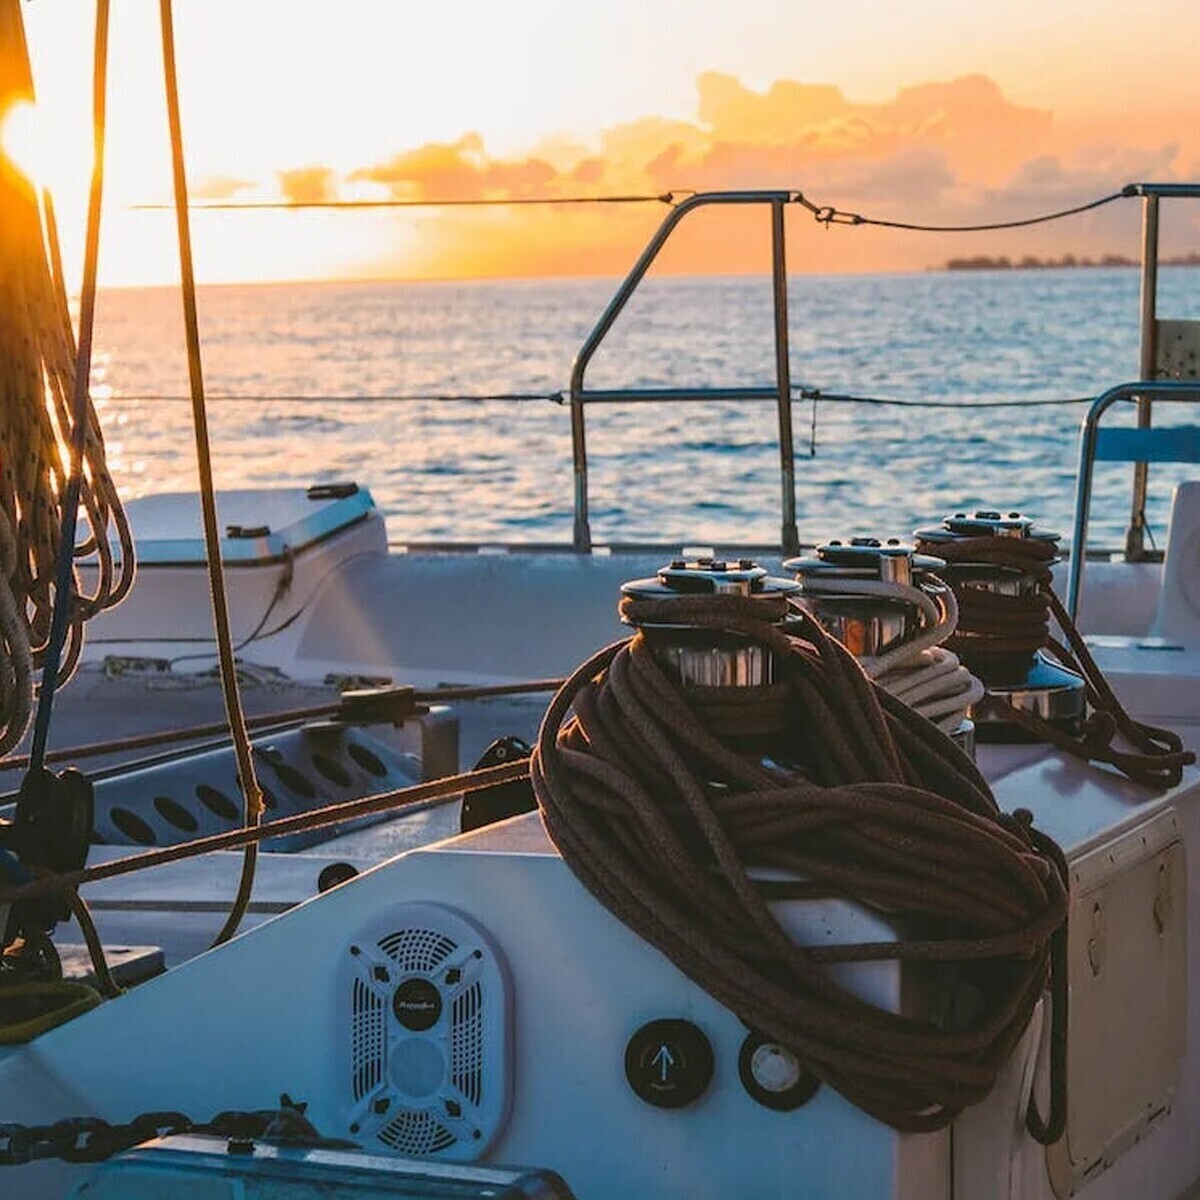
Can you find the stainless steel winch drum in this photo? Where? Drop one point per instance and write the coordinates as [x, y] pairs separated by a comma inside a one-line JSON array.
[[869, 626], [706, 657], [1027, 681]]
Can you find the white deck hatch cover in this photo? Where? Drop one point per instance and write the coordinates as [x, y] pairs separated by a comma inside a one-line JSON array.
[[258, 525], [1127, 965]]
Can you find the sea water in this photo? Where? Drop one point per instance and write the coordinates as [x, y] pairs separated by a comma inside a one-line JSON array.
[[312, 356]]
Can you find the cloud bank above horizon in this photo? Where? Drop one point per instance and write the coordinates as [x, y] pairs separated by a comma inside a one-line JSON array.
[[950, 152]]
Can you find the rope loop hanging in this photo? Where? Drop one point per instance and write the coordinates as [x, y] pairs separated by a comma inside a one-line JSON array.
[[670, 815]]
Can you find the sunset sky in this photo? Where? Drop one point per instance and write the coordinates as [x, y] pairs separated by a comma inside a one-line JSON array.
[[930, 110]]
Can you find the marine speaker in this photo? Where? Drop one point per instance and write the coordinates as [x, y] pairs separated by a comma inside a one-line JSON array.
[[426, 1043]]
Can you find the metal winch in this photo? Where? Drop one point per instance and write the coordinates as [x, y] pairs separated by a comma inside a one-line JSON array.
[[875, 596], [1025, 678], [697, 657], [866, 625]]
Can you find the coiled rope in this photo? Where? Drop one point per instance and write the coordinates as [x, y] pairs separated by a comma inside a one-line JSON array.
[[39, 387], [994, 624], [664, 821], [920, 671]]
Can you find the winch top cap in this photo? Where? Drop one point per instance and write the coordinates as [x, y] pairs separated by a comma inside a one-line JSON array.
[[985, 522], [709, 576], [865, 558]]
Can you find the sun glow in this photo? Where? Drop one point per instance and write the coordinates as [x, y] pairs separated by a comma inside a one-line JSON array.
[[19, 141], [934, 116]]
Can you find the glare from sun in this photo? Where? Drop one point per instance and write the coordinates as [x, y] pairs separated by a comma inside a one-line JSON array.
[[20, 142]]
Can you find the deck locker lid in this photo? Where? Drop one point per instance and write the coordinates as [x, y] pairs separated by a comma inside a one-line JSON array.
[[258, 525]]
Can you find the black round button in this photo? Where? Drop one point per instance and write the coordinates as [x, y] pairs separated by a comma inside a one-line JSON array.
[[669, 1063], [417, 1004], [773, 1076]]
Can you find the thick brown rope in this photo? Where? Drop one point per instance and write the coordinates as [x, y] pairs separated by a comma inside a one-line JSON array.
[[663, 816], [993, 625]]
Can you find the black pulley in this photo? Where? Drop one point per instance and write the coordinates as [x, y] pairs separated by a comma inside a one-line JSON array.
[[503, 800], [52, 830]]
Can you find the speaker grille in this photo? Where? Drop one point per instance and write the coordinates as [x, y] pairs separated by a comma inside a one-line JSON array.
[[417, 1132], [466, 1044], [421, 950], [369, 1018], [435, 1089]]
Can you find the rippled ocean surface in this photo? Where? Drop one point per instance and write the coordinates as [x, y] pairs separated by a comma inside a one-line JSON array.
[[496, 471]]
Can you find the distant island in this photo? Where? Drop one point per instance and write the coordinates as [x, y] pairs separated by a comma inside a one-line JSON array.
[[984, 262]]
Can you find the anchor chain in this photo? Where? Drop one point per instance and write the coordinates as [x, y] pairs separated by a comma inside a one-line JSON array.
[[93, 1139]]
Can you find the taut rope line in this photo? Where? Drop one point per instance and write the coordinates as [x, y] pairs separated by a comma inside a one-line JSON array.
[[243, 751]]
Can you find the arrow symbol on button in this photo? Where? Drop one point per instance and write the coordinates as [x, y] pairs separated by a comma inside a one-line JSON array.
[[664, 1060]]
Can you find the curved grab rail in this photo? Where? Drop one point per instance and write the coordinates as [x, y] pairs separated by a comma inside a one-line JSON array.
[[781, 393], [1140, 445]]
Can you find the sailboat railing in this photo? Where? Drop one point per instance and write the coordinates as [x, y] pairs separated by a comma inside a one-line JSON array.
[[580, 396], [1142, 445]]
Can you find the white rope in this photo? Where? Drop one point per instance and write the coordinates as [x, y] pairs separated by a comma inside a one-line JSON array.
[[919, 670]]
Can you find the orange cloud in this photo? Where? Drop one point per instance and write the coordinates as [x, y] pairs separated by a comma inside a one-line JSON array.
[[460, 170], [308, 185], [220, 187], [951, 152]]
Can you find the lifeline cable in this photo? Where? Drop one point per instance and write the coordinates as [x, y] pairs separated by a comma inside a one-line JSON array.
[[663, 822], [828, 215], [995, 623]]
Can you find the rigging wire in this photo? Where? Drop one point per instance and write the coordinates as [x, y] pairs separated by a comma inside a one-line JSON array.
[[667, 198], [561, 398], [823, 214]]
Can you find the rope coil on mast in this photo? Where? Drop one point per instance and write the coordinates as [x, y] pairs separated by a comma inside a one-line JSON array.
[[52, 453], [665, 821]]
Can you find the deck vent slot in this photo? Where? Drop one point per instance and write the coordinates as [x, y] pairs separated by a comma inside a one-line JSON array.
[[294, 780], [133, 827], [217, 802], [195, 793], [365, 759], [331, 769], [175, 814]]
